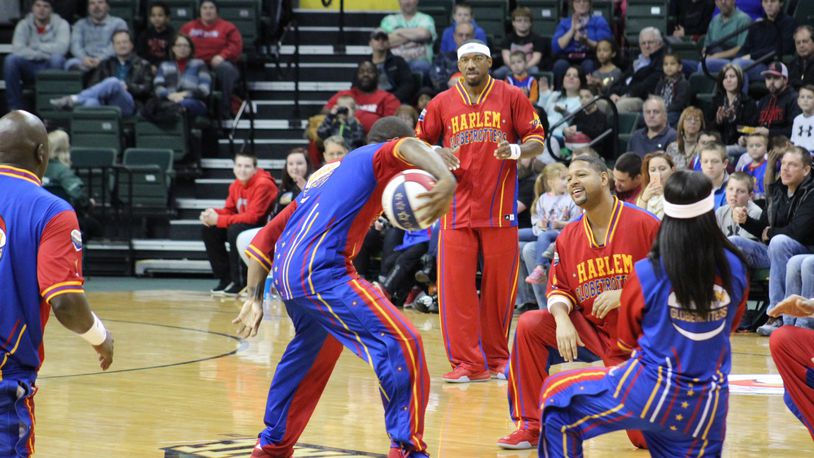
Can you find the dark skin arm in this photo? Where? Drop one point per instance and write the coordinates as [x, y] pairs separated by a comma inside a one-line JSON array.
[[73, 312]]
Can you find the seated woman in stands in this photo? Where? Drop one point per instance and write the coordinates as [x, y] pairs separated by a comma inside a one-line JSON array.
[[731, 109], [182, 79]]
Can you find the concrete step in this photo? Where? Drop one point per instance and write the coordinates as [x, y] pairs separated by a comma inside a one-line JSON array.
[[357, 18]]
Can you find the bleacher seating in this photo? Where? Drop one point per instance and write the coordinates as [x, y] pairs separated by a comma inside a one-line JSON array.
[[645, 13], [491, 15], [245, 14], [97, 127], [182, 11], [171, 136], [51, 84], [94, 165], [545, 14]]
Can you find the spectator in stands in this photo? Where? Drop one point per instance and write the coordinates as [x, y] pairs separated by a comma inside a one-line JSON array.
[[60, 177], [656, 134], [786, 227], [590, 121], [684, 150], [558, 104], [692, 18], [673, 87], [218, 43], [91, 40], [608, 73], [184, 80], [154, 42], [461, 14], [802, 131], [372, 103], [801, 68], [731, 107], [576, 37], [641, 79], [341, 120], [296, 173], [724, 24], [40, 42], [627, 177], [412, 35], [538, 51], [408, 114], [423, 97], [520, 77], [777, 109], [775, 33], [334, 149], [754, 162], [656, 169], [251, 198], [713, 164], [739, 195], [394, 73], [445, 65], [123, 80]]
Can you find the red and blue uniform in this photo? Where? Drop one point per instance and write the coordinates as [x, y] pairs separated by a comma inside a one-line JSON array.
[[673, 388], [583, 268], [481, 224], [40, 258], [308, 249], [792, 350]]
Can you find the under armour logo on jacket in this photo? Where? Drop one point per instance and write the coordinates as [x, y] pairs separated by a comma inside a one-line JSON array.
[[806, 129]]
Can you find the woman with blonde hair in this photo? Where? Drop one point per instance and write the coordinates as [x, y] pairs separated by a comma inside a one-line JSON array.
[[656, 169], [59, 147], [688, 130]]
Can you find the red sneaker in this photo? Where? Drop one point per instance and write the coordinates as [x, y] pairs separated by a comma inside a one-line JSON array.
[[498, 374], [396, 452], [270, 451], [461, 375], [521, 439]]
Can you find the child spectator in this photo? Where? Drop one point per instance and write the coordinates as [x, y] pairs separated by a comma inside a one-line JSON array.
[[334, 149], [576, 38], [461, 14], [407, 114], [673, 87], [551, 211], [520, 77], [707, 137], [341, 120], [713, 164], [656, 169], [590, 121], [153, 43], [738, 195], [802, 131], [607, 73], [754, 165], [523, 39]]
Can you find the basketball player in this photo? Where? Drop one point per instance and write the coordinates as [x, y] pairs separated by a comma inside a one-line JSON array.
[[480, 122], [40, 269], [309, 249], [678, 308], [595, 255], [793, 353]]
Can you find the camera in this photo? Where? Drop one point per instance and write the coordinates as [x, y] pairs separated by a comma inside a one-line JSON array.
[[342, 111]]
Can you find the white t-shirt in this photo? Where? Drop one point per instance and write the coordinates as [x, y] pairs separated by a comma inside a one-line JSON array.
[[802, 132]]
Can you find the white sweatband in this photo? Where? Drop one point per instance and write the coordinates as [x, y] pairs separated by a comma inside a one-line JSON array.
[[436, 148], [97, 332], [473, 48], [515, 151], [692, 210]]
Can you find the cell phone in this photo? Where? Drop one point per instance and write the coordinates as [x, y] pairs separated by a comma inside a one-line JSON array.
[[342, 110], [657, 178]]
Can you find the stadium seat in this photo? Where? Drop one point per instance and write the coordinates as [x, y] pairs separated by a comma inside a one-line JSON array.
[[245, 15], [162, 157], [604, 8], [94, 167], [143, 180], [491, 15], [125, 9], [182, 11], [53, 84], [804, 13], [644, 13], [545, 16], [628, 122], [97, 127], [172, 136]]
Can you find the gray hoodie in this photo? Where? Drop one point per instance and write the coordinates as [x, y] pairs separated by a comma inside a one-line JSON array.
[[724, 217], [94, 40], [30, 44]]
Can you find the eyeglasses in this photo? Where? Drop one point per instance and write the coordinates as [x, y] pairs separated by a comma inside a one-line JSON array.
[[648, 42], [478, 59], [692, 119]]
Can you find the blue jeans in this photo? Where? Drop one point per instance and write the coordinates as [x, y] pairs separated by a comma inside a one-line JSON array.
[[543, 241], [756, 253], [194, 107], [528, 254], [800, 280], [109, 91], [781, 249], [17, 69]]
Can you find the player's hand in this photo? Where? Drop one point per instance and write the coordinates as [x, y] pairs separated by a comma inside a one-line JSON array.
[[605, 302], [249, 318], [105, 352], [794, 305], [449, 157], [568, 341], [438, 198], [739, 215], [504, 150]]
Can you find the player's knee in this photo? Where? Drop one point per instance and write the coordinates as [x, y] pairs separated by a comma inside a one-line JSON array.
[[533, 320], [782, 338]]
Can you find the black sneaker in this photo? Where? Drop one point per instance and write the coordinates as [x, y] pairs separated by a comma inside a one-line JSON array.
[[221, 286], [232, 290]]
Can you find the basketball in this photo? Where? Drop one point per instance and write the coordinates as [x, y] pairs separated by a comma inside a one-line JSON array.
[[400, 199]]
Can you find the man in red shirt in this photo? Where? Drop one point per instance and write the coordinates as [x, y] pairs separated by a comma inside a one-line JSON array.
[[251, 198], [372, 103], [218, 43], [594, 256], [479, 122]]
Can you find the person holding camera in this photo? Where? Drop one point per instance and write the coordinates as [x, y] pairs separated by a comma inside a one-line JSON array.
[[341, 120]]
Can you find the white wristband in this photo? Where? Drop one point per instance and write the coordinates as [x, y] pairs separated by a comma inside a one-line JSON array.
[[97, 332], [515, 151], [436, 148]]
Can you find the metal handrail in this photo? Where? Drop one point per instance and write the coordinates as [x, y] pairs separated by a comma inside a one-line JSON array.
[[613, 130], [778, 49]]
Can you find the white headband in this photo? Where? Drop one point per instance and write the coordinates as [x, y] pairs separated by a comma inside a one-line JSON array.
[[692, 210], [473, 47]]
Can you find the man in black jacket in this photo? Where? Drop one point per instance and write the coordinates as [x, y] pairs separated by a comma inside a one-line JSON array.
[[777, 109], [801, 68], [641, 79], [395, 75], [787, 225], [121, 80], [773, 33]]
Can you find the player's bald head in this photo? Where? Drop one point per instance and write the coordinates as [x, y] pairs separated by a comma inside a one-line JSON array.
[[24, 142], [388, 128]]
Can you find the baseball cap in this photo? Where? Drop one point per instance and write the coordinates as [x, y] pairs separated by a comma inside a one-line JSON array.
[[378, 33], [776, 69]]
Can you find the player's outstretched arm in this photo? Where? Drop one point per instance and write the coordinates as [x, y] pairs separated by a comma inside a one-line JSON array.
[[251, 314], [794, 305], [425, 158], [73, 311]]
